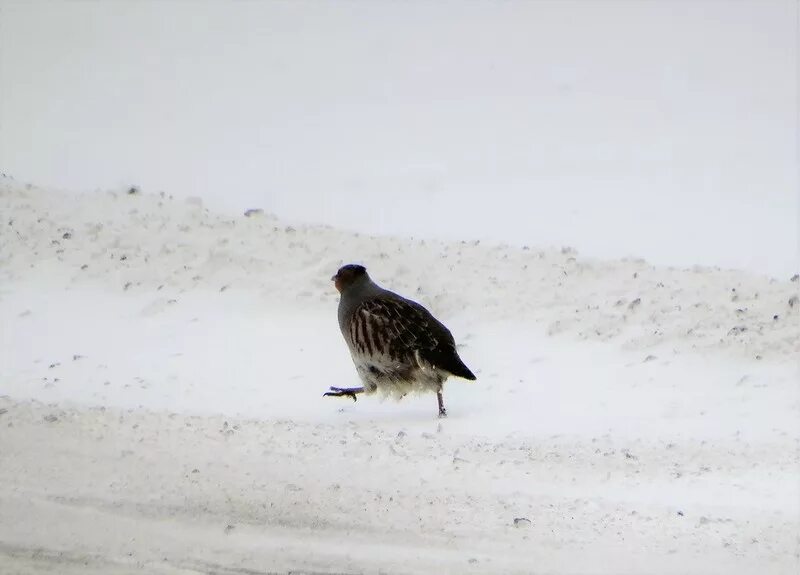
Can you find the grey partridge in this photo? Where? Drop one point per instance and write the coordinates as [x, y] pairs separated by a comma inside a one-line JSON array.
[[396, 344]]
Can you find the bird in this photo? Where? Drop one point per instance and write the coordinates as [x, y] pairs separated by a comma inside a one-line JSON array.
[[396, 344]]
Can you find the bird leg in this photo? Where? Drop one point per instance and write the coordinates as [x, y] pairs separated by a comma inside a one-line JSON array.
[[442, 410], [344, 391]]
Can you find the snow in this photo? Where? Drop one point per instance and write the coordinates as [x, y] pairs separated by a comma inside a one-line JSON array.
[[163, 365]]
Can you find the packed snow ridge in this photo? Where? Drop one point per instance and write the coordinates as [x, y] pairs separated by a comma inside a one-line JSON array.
[[128, 241]]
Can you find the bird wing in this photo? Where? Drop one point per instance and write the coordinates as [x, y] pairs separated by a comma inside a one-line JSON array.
[[400, 329]]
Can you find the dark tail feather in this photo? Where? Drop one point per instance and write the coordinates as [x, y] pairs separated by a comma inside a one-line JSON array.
[[457, 368]]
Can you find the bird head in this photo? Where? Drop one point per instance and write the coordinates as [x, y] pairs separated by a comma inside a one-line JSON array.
[[349, 275]]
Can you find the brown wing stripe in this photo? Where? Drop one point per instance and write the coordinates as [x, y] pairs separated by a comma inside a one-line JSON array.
[[372, 330]]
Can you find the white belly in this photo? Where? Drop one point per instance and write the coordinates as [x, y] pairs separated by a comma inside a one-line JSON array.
[[381, 375]]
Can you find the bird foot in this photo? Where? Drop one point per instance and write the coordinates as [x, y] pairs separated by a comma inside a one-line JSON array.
[[442, 413], [344, 392]]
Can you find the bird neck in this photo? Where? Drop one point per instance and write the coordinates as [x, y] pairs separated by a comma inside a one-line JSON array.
[[361, 288]]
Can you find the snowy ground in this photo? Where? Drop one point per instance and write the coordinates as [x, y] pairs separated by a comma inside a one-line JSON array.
[[161, 372]]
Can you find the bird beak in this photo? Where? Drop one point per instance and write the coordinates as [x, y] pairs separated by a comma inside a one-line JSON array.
[[333, 278]]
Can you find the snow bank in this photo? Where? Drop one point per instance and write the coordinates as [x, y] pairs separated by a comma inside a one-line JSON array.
[[162, 369]]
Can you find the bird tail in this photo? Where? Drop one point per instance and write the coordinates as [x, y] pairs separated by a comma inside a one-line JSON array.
[[458, 369]]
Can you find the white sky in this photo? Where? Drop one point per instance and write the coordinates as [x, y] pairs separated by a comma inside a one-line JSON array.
[[659, 129]]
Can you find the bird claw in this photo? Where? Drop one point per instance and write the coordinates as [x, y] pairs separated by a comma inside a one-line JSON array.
[[339, 392]]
